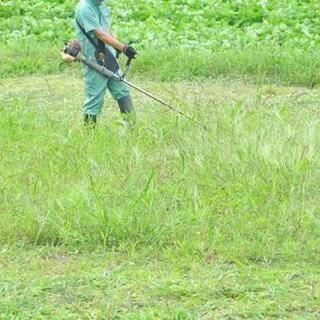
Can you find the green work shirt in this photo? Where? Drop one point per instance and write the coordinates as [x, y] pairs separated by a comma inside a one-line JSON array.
[[91, 15]]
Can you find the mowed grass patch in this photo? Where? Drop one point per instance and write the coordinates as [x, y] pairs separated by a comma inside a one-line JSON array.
[[56, 283], [242, 187]]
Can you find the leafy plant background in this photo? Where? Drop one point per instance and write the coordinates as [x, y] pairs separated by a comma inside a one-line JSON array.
[[184, 23]]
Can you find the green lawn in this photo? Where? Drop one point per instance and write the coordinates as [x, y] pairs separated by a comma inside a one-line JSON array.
[[172, 220], [53, 283]]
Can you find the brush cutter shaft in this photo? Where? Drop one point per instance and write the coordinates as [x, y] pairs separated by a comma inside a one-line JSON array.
[[152, 97], [101, 69]]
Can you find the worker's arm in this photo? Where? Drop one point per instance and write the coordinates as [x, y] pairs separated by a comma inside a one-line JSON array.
[[108, 39]]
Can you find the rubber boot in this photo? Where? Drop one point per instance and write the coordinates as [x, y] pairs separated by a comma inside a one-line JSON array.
[[127, 110], [90, 120]]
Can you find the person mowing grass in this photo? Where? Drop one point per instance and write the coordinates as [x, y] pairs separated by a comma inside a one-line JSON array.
[[99, 43]]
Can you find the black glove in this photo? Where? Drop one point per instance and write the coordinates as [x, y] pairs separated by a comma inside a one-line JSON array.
[[129, 51]]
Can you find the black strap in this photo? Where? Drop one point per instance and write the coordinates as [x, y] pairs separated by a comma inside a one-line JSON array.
[[109, 61], [87, 36]]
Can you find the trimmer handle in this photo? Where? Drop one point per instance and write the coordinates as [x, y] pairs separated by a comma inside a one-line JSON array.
[[126, 68], [118, 52], [129, 62]]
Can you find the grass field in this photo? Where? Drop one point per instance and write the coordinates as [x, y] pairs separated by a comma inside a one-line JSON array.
[[53, 283], [260, 64], [172, 220], [216, 218]]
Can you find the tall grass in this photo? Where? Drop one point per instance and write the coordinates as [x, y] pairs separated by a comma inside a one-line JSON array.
[[265, 64], [243, 189]]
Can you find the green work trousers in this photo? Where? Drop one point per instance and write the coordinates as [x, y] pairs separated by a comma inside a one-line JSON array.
[[96, 85]]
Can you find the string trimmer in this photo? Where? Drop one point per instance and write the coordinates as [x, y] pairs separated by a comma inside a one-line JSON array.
[[73, 48]]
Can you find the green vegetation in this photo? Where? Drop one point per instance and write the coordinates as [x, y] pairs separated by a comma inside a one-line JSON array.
[[173, 219], [289, 67], [273, 41], [51, 283], [183, 23], [183, 222], [249, 180]]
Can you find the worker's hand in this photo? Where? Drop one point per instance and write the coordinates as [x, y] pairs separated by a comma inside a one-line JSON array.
[[129, 51], [66, 57], [71, 50]]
